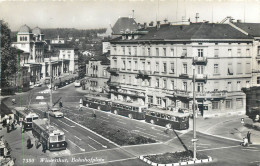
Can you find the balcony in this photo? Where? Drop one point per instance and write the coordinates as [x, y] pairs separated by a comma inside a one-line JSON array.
[[212, 95], [114, 71], [200, 60], [114, 84], [144, 73], [201, 78], [183, 75], [258, 57]]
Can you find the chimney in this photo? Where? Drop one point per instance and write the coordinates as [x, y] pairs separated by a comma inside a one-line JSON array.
[[197, 17], [151, 24], [145, 25], [158, 25]]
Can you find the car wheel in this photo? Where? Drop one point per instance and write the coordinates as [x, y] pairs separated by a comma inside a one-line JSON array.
[[168, 126], [115, 112], [130, 116], [152, 121]]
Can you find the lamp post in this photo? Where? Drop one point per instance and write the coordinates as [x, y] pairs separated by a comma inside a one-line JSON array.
[[194, 140]]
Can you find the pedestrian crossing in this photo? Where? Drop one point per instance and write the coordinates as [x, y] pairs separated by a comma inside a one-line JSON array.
[[45, 91]]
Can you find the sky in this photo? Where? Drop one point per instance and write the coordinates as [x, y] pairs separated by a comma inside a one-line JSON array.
[[88, 14]]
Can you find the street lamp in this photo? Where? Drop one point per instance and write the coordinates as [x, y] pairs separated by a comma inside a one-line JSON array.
[[194, 140]]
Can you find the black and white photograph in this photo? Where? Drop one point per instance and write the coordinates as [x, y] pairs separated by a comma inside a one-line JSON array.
[[130, 82]]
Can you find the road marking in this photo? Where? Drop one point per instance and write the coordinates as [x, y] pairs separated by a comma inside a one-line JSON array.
[[104, 117], [104, 120], [220, 148], [92, 147], [254, 161], [162, 135], [65, 130], [81, 149], [140, 128], [65, 123], [131, 158], [54, 124], [97, 142], [253, 150], [155, 129], [77, 138], [121, 122]]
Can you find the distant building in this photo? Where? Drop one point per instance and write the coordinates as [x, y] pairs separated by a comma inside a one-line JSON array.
[[97, 75], [154, 65], [58, 40]]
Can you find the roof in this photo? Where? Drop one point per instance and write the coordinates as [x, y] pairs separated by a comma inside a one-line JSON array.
[[98, 98], [124, 24], [36, 31], [251, 28], [24, 29], [4, 110], [103, 58], [194, 31], [42, 123]]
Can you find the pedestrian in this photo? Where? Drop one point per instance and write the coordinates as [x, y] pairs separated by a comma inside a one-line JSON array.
[[166, 131], [94, 115], [29, 143], [249, 137], [61, 104], [245, 141], [13, 101]]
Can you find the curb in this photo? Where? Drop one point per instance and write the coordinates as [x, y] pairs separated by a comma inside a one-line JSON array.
[[92, 132], [209, 159]]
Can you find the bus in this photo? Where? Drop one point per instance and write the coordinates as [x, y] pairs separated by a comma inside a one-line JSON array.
[[26, 116], [132, 110], [168, 119], [50, 136], [97, 102]]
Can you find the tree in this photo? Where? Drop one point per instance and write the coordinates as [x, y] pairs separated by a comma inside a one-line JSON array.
[[8, 55]]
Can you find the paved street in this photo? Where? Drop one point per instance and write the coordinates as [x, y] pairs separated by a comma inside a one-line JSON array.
[[84, 143]]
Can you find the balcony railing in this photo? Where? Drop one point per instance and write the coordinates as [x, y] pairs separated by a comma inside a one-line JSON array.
[[209, 95], [183, 75], [200, 60], [201, 77], [144, 73], [114, 71], [114, 84]]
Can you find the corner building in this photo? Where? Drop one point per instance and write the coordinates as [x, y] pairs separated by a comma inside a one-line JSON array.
[[154, 66]]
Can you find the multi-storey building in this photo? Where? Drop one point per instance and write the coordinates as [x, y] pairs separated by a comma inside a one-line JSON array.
[[154, 66], [97, 75]]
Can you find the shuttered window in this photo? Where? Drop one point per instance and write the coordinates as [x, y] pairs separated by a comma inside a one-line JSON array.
[[239, 68], [230, 69], [248, 68]]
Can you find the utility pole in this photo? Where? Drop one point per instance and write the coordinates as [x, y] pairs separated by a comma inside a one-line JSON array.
[[50, 91], [194, 140]]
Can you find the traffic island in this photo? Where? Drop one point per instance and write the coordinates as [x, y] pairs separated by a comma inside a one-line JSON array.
[[113, 133], [174, 159]]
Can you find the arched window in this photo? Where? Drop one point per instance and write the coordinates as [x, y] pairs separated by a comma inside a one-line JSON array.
[[25, 38], [21, 39]]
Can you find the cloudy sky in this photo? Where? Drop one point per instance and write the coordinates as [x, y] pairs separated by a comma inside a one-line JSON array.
[[85, 14]]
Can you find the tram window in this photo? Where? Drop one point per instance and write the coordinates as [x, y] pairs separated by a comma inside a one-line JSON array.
[[162, 116], [35, 118], [118, 105], [103, 103], [169, 117], [130, 108], [121, 106], [152, 113], [158, 114], [53, 138], [143, 109], [61, 138], [29, 119], [174, 119]]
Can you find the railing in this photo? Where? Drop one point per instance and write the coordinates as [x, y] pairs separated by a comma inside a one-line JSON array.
[[114, 70], [201, 60], [114, 84], [201, 77], [183, 75]]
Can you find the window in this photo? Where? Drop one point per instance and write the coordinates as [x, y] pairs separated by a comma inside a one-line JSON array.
[[25, 38], [159, 100], [157, 52], [129, 50], [200, 52], [247, 84], [216, 86], [229, 52], [129, 65], [164, 84], [172, 85], [115, 63], [229, 86], [239, 103], [239, 52], [258, 80], [185, 68], [238, 86], [172, 52], [164, 51], [239, 68], [149, 51], [185, 86], [258, 51], [184, 52], [216, 69], [216, 53], [172, 67], [123, 65], [248, 68], [143, 65], [157, 67], [228, 103], [150, 99], [230, 69], [135, 66], [200, 69], [215, 105], [21, 39], [164, 67], [135, 50], [247, 52], [123, 49], [115, 50], [150, 82], [157, 83], [149, 66], [143, 51], [200, 87], [123, 80]]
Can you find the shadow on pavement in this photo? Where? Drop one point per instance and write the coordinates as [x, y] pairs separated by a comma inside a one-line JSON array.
[[185, 147]]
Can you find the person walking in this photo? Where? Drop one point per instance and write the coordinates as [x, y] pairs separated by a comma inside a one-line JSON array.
[[249, 137], [29, 143], [60, 104]]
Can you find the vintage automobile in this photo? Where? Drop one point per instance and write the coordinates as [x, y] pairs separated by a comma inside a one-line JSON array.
[[55, 112]]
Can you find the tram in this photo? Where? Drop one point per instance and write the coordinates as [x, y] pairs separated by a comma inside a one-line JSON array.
[[97, 102], [50, 136], [26, 116]]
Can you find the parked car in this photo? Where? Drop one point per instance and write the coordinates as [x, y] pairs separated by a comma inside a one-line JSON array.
[[55, 112], [77, 83], [38, 84]]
